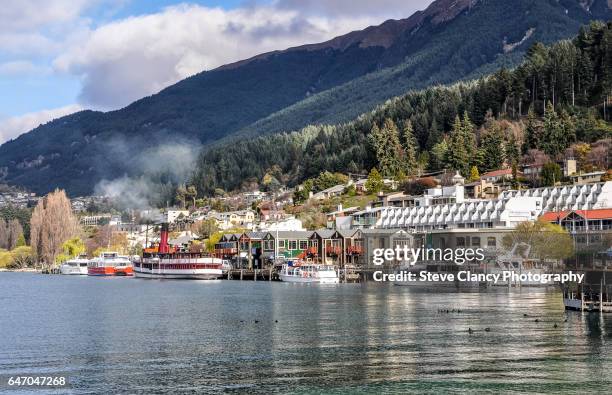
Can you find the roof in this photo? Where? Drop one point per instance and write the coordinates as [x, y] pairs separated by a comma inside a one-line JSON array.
[[325, 233], [593, 173], [335, 188], [347, 232], [553, 216], [256, 235], [345, 210], [384, 231], [291, 234], [497, 173]]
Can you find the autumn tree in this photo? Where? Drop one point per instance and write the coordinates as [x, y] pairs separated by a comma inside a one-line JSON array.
[[474, 174], [374, 184], [52, 223], [544, 240]]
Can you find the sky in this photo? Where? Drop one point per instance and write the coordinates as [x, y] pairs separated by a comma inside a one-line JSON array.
[[61, 56]]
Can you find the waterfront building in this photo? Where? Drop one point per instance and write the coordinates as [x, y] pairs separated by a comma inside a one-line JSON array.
[[292, 244], [587, 227], [373, 239], [336, 247]]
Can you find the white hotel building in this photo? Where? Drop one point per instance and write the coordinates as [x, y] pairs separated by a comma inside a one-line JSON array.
[[511, 208], [470, 222]]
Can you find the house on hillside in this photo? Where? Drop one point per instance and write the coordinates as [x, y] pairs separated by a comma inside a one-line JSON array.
[[495, 176], [328, 193]]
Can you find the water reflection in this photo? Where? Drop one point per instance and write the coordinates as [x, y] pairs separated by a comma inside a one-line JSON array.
[[130, 335]]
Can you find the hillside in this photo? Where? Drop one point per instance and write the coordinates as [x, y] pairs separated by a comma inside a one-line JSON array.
[[552, 102], [286, 90]]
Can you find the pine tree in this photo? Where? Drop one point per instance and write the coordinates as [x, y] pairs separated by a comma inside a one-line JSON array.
[[512, 150], [492, 148], [559, 131], [532, 132], [410, 146], [457, 157]]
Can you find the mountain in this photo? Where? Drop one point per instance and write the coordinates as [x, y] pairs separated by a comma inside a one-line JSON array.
[[285, 90]]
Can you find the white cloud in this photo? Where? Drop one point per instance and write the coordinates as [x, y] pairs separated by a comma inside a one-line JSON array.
[[125, 60], [21, 67], [12, 127], [25, 15]]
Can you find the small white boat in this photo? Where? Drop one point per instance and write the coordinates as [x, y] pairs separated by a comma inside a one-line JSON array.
[[519, 267], [308, 273], [76, 266]]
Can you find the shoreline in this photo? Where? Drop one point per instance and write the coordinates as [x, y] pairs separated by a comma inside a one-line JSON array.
[[24, 270]]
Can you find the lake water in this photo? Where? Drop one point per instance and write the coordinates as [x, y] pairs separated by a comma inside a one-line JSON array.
[[111, 335]]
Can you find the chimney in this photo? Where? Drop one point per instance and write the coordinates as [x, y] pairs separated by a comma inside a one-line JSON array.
[[164, 248]]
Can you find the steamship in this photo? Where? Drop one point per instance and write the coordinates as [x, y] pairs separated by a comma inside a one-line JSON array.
[[165, 261]]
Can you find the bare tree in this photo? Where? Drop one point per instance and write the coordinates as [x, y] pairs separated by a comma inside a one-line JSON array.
[[3, 234], [14, 232], [52, 224]]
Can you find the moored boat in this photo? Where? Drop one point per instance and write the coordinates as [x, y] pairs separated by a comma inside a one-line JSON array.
[[110, 264], [169, 262], [308, 273], [76, 266]]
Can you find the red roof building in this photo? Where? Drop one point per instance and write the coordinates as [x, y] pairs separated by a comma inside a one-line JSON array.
[[576, 221]]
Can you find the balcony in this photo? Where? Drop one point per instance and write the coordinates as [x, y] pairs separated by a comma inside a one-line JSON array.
[[226, 251], [333, 250], [354, 250]]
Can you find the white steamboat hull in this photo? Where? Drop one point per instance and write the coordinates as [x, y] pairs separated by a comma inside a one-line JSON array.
[[205, 274]]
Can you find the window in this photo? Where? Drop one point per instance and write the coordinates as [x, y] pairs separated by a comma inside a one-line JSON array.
[[460, 242], [292, 244], [281, 243], [303, 244], [491, 242], [476, 241]]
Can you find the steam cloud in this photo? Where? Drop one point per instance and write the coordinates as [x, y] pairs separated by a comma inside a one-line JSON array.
[[157, 170]]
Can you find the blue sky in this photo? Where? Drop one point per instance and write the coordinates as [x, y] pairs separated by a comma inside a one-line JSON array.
[[60, 56]]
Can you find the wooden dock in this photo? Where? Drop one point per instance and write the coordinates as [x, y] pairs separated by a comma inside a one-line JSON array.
[[252, 274]]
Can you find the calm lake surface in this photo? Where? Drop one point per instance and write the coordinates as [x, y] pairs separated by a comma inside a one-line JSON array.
[[126, 335]]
